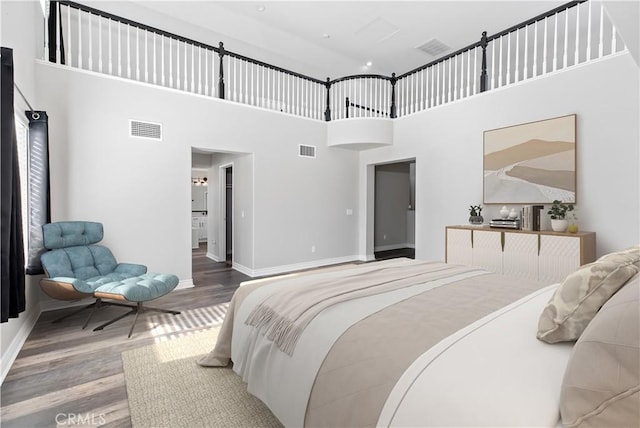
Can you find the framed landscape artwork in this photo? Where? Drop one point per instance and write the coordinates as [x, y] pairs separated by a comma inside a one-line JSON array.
[[532, 163]]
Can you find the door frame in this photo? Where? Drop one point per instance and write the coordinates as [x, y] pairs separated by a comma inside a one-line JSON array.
[[222, 224]]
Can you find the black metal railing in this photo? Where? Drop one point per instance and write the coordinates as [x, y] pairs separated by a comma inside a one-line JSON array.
[[84, 37]]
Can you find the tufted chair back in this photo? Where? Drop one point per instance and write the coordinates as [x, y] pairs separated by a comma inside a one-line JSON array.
[[73, 254]]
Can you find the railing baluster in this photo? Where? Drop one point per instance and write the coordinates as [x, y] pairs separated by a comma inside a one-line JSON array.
[[493, 62], [535, 49], [137, 53], [155, 60], [146, 56], [162, 63], [475, 71], [565, 61], [589, 32], [58, 30], [128, 51], [438, 70], [206, 72], [170, 62], [544, 48], [46, 54], [601, 35], [555, 42], [119, 49], [614, 37], [69, 57], [508, 74], [193, 69], [517, 55], [457, 82], [99, 43], [525, 66], [577, 51], [90, 56], [178, 80], [185, 74], [79, 39], [500, 56], [110, 49]]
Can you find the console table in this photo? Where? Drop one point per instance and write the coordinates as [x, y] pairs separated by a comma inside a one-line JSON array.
[[540, 255]]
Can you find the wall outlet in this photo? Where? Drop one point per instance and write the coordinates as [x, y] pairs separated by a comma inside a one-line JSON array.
[[384, 237], [313, 248], [349, 211]]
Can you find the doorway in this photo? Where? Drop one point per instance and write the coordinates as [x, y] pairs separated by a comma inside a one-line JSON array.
[[394, 210]]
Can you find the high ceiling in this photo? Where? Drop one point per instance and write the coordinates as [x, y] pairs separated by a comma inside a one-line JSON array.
[[337, 38]]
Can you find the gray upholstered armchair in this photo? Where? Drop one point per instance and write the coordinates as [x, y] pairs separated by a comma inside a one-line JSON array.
[[76, 268]]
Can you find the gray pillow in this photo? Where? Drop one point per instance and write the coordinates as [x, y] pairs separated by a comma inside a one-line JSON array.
[[580, 296], [601, 386]]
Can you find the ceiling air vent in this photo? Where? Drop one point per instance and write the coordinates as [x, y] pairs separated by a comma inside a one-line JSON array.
[[307, 151], [433, 47], [148, 130]]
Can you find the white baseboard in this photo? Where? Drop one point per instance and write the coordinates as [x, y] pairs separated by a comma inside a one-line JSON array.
[[12, 351], [214, 257], [276, 270], [185, 283], [393, 247], [53, 305]]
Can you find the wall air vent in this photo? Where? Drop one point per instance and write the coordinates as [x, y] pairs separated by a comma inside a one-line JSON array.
[[307, 151], [433, 47], [152, 131]]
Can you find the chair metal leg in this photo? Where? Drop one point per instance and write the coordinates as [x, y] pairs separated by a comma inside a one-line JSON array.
[[97, 305], [57, 320], [137, 310], [118, 318]]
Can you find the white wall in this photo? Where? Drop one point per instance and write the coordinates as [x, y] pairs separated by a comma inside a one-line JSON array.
[[448, 146], [297, 203], [21, 29]]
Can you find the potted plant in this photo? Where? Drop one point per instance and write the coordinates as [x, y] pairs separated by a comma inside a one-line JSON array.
[[475, 216], [558, 212]]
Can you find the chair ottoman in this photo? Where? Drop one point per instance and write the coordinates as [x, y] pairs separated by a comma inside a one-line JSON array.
[[137, 289]]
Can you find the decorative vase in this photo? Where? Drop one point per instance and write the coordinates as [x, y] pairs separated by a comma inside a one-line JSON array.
[[573, 228], [504, 212], [476, 219], [513, 214], [559, 225]]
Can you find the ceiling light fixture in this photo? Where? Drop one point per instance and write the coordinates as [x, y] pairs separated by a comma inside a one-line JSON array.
[[369, 63], [261, 8], [326, 35], [199, 181]]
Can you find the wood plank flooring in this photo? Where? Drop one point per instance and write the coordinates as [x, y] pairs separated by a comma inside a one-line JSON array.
[[65, 375]]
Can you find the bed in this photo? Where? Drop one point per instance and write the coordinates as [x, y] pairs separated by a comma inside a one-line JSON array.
[[399, 343]]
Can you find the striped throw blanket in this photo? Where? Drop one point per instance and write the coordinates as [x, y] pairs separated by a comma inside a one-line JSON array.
[[283, 315]]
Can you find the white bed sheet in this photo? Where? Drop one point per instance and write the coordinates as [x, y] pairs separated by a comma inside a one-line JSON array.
[[492, 373]]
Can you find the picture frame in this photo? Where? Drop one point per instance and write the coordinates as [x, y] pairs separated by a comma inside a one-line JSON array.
[[531, 163]]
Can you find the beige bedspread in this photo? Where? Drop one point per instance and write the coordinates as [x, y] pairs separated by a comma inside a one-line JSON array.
[[365, 363], [369, 358]]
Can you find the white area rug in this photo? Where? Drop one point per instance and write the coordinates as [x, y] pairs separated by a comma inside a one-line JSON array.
[[166, 388]]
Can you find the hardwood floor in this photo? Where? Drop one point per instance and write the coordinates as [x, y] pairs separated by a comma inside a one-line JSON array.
[[66, 376]]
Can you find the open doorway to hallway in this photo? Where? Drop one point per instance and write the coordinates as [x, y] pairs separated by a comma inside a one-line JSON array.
[[394, 210], [208, 267], [229, 203]]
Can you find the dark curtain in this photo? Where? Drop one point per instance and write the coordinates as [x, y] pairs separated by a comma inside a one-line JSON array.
[[12, 251], [39, 194]]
